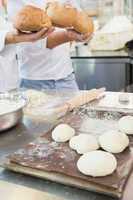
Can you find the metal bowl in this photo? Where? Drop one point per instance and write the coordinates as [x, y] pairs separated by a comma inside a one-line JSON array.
[[11, 119]]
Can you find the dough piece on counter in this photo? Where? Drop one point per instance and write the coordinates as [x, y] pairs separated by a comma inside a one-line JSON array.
[[126, 125], [97, 163], [63, 133], [114, 141], [83, 143]]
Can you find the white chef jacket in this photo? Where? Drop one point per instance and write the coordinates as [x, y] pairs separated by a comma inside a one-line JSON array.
[[9, 77], [36, 61]]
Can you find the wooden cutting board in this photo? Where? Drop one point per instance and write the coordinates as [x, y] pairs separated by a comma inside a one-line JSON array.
[[68, 181], [63, 179], [114, 184]]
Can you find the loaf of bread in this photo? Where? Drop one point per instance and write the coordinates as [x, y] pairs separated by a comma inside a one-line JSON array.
[[31, 19], [83, 23], [61, 15], [66, 16]]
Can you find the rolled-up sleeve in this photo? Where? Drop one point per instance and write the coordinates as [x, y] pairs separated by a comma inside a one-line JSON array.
[[43, 44], [5, 27], [2, 39]]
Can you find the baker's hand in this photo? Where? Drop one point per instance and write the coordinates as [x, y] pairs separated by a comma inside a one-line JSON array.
[[18, 37], [32, 37], [75, 36]]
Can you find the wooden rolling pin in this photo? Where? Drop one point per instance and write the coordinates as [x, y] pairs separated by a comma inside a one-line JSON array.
[[83, 98]]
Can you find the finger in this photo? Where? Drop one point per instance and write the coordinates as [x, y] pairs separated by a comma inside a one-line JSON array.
[[42, 32], [87, 36], [51, 30], [36, 36], [86, 39], [48, 33], [71, 29], [79, 37], [18, 32]]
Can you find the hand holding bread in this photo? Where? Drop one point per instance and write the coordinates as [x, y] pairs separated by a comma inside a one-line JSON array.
[[18, 37], [31, 19], [78, 37], [65, 16]]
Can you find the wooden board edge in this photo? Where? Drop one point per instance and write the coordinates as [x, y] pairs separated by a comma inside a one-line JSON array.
[[63, 179]]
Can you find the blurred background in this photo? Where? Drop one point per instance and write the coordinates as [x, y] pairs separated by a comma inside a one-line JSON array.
[[114, 73]]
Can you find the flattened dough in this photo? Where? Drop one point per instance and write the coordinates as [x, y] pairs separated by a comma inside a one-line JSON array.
[[114, 141], [63, 133], [83, 143], [126, 125], [97, 163]]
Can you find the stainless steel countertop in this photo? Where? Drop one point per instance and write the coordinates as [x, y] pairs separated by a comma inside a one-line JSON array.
[[16, 138], [26, 132], [11, 191]]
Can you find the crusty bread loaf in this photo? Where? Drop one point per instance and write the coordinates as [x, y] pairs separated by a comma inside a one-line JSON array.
[[66, 16], [31, 19], [83, 24], [61, 15]]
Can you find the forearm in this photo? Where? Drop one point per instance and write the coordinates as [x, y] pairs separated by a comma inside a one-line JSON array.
[[14, 38], [18, 37], [57, 38]]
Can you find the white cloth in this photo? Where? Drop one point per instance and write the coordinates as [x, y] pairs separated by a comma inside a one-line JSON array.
[[114, 35], [35, 60], [8, 65]]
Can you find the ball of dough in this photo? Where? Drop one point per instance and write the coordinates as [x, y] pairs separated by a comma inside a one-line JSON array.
[[63, 133], [97, 163], [114, 141], [83, 143], [126, 125]]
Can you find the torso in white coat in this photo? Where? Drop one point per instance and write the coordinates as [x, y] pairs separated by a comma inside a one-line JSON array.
[[37, 62]]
